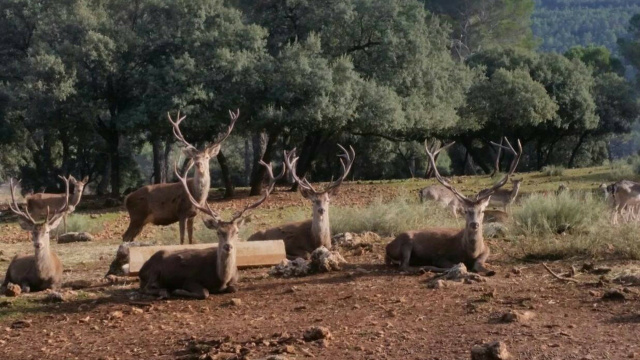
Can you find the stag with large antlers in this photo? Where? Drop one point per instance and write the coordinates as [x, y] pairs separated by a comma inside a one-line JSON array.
[[38, 204], [196, 273], [165, 204], [441, 248], [301, 238], [42, 270]]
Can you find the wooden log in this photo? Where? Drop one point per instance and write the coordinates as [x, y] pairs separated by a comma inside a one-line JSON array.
[[249, 253]]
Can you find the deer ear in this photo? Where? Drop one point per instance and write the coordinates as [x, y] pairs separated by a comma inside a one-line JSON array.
[[485, 202], [85, 179], [306, 193], [25, 225], [211, 223], [244, 220], [334, 191], [190, 152], [55, 223], [213, 151]]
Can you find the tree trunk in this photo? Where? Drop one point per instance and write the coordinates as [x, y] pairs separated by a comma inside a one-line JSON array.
[[103, 186], [247, 161], [167, 152], [496, 167], [229, 190], [115, 166], [307, 156], [257, 175], [475, 157], [551, 147], [158, 160], [572, 159]]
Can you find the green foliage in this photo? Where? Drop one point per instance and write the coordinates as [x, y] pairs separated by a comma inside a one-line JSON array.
[[597, 57], [572, 212], [561, 24], [82, 223], [552, 170]]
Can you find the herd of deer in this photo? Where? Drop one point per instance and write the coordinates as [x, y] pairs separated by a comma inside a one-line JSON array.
[[198, 272]]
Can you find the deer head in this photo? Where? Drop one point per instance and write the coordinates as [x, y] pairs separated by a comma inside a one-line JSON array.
[[200, 158], [40, 231], [320, 199], [228, 230], [474, 208]]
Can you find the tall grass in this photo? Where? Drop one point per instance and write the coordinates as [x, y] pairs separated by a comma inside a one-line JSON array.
[[391, 217], [568, 225], [82, 223], [552, 170]]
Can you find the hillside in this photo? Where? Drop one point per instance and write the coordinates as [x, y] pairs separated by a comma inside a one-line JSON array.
[[560, 24]]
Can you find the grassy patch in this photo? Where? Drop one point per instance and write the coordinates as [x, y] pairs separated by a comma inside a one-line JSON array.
[[391, 217], [83, 223], [552, 170], [569, 225]]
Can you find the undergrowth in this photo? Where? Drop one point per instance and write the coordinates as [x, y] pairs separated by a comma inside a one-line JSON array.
[[552, 170]]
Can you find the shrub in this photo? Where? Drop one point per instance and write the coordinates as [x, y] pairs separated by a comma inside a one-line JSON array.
[[621, 169], [82, 223], [547, 215], [552, 170], [389, 218]]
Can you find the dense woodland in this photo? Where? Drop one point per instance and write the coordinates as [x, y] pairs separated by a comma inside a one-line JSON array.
[[85, 86]]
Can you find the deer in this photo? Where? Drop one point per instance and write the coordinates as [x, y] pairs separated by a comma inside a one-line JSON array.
[[442, 248], [165, 204], [43, 270], [196, 273], [302, 238], [624, 197], [443, 196], [38, 204], [504, 198]]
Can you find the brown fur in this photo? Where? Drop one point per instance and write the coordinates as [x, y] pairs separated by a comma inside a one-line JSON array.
[[443, 196], [292, 234], [443, 247], [39, 204], [504, 197]]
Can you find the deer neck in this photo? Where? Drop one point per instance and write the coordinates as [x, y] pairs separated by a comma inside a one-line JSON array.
[[44, 260], [473, 241], [514, 193], [321, 229], [201, 185], [75, 199], [226, 265]]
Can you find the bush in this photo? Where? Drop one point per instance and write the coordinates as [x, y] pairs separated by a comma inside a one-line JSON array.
[[548, 215], [389, 218], [82, 223], [569, 225], [621, 169], [552, 170]]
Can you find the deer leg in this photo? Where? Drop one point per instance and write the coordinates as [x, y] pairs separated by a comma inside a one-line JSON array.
[[25, 287], [182, 223], [192, 290], [133, 230], [64, 223], [405, 252], [231, 285], [479, 267], [190, 229]]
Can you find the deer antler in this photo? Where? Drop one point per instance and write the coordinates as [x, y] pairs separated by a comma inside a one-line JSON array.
[[223, 136], [487, 192], [183, 179], [14, 205], [176, 129], [346, 161], [441, 180], [267, 192], [66, 208]]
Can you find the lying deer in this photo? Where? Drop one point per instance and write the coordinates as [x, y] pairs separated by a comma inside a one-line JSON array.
[[503, 198], [165, 204], [624, 197], [443, 196], [441, 248], [39, 204], [301, 238], [43, 270], [196, 273]]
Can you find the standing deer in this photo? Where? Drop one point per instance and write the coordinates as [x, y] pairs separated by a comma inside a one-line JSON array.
[[504, 198], [444, 247], [165, 204], [196, 273], [443, 196], [38, 204], [624, 196], [301, 238], [42, 270]]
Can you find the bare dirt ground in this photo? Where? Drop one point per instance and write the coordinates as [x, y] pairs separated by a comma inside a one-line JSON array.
[[372, 312]]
